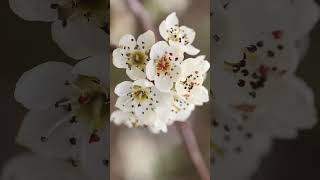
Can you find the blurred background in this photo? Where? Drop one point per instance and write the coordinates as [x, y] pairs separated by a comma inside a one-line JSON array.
[[137, 154]]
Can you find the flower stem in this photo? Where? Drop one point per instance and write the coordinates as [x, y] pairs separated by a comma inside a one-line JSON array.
[[193, 149], [141, 14]]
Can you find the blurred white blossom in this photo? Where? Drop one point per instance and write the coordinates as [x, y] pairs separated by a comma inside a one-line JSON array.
[[68, 113]]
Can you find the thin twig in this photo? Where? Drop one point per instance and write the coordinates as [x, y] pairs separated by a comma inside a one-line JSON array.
[[141, 14], [193, 149], [185, 129]]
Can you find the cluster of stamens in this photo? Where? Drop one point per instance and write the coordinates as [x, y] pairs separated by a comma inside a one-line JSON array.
[[177, 35], [88, 96], [257, 65]]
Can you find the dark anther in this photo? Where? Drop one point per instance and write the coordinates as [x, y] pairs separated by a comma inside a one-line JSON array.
[[260, 44], [73, 141], [241, 83], [252, 48], [242, 63], [43, 139], [54, 6], [270, 53], [245, 72]]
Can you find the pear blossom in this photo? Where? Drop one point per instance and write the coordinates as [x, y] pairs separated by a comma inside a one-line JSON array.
[[68, 112], [134, 55], [142, 98], [164, 65], [180, 109], [182, 36], [190, 83]]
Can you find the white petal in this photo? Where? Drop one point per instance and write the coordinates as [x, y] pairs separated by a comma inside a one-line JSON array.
[[125, 103], [161, 99], [195, 64], [151, 70], [143, 83], [163, 83], [79, 39], [200, 96], [134, 73], [158, 50], [96, 66], [119, 59], [181, 109], [43, 85], [163, 30], [146, 40], [191, 50], [123, 88], [128, 41], [172, 20], [121, 117], [34, 10], [158, 126], [190, 33], [36, 124], [175, 53]]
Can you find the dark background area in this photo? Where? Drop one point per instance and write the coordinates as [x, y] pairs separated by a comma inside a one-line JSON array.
[[25, 44]]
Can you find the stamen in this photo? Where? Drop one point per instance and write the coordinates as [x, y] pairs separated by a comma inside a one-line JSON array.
[[55, 126]]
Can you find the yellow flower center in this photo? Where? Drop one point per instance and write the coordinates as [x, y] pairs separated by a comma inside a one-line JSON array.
[[137, 59]]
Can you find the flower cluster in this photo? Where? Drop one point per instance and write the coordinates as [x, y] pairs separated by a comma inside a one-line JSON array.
[[165, 86]]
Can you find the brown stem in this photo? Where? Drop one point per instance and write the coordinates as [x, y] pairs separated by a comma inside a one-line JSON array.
[[193, 149], [141, 14]]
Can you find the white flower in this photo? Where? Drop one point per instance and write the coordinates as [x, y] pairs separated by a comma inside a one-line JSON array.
[[32, 167], [248, 71], [178, 35], [68, 112], [134, 55], [164, 65], [180, 109], [190, 83], [79, 27], [142, 98]]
